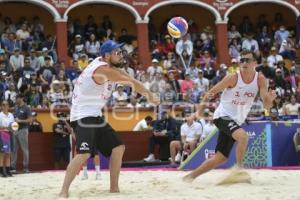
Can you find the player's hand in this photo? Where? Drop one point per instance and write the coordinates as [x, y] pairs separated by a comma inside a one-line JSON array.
[[272, 95], [153, 99]]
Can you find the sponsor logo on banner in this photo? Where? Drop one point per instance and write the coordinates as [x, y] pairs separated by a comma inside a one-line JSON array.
[[61, 3], [140, 3], [209, 153], [251, 134], [222, 4]]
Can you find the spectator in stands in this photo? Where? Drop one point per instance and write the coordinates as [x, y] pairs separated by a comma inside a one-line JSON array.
[[218, 78], [76, 47], [267, 71], [42, 57], [34, 96], [193, 29], [10, 95], [292, 107], [287, 49], [163, 129], [61, 142], [10, 25], [190, 133], [73, 72], [83, 61], [50, 44], [47, 73], [274, 114], [92, 46], [285, 72], [251, 44], [233, 33], [208, 71], [128, 69], [169, 96], [6, 119], [35, 126], [184, 45], [168, 45], [281, 35], [17, 59], [257, 109], [45, 103], [10, 44], [125, 37], [144, 124], [279, 81], [186, 84], [293, 79], [119, 97], [167, 63], [174, 83], [264, 39], [34, 61], [207, 124], [55, 95], [160, 81], [23, 32], [234, 67], [193, 71], [246, 26], [274, 58], [90, 27], [37, 29], [154, 69], [202, 82], [235, 48], [195, 93], [23, 118], [278, 104]]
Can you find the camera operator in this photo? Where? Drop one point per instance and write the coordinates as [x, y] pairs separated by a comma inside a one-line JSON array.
[[61, 141]]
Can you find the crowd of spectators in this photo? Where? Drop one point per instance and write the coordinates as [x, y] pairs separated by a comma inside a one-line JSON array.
[[181, 70]]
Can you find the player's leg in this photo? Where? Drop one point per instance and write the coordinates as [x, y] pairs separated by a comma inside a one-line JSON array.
[[241, 137], [7, 163], [72, 169], [115, 166], [84, 148], [206, 166], [84, 171], [174, 147], [97, 166]]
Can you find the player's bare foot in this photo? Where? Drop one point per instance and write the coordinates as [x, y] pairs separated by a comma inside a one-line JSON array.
[[114, 190], [188, 179], [63, 195]]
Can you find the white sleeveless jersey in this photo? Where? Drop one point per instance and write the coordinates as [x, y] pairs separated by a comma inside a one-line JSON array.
[[236, 102], [89, 97]]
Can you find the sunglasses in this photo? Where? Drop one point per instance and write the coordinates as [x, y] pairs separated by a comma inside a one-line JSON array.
[[246, 60], [118, 53]]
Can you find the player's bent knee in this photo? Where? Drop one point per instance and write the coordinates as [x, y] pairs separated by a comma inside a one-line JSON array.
[[240, 135], [120, 148]]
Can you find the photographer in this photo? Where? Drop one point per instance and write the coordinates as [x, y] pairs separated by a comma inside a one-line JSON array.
[[61, 141]]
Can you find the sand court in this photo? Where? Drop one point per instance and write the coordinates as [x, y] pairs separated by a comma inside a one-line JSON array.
[[158, 184]]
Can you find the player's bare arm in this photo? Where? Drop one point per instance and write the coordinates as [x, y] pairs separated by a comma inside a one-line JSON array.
[[266, 96], [227, 82], [103, 74]]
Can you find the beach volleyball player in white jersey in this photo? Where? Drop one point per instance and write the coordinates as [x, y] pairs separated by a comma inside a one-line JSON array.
[[92, 90], [238, 93]]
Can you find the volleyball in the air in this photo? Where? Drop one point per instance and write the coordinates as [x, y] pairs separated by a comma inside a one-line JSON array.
[[177, 27], [14, 126]]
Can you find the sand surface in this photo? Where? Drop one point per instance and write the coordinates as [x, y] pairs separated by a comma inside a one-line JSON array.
[[162, 185]]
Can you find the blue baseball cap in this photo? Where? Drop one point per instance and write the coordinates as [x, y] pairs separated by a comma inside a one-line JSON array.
[[108, 46]]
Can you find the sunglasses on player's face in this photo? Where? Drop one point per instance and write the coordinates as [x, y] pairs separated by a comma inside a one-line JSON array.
[[118, 52], [246, 60]]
